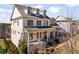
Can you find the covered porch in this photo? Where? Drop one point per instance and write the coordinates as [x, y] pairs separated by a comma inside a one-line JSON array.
[[39, 37]]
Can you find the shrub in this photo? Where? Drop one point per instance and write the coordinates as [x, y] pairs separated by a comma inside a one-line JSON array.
[[21, 46], [2, 51]]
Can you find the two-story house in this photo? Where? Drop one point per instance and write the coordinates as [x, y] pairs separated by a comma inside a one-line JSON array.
[[31, 24]]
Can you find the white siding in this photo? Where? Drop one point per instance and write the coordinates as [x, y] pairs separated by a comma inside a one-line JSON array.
[[65, 26], [18, 28], [61, 18], [34, 22], [16, 13]]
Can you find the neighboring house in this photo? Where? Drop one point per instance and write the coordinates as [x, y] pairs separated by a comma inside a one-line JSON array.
[[4, 30], [67, 24], [31, 24]]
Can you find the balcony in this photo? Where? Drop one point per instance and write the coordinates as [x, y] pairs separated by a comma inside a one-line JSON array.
[[37, 27]]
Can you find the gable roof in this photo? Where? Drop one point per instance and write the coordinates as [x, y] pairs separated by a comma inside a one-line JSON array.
[[22, 9], [64, 19]]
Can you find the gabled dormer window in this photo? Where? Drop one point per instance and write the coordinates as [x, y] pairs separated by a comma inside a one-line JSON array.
[[29, 11], [37, 12], [44, 13]]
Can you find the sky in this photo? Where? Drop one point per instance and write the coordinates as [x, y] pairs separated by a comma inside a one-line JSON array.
[[53, 10]]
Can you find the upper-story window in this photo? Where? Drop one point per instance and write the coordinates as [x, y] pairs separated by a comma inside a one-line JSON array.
[[29, 11], [13, 22], [14, 32], [45, 23], [30, 22], [38, 22], [17, 22]]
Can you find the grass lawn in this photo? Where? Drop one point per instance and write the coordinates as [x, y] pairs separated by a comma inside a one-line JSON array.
[[2, 44], [69, 51], [2, 47]]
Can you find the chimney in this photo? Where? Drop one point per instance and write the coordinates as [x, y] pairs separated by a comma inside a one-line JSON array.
[[37, 11], [44, 13]]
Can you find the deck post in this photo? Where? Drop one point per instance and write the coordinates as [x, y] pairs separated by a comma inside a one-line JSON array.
[[28, 44], [39, 41], [47, 36], [54, 34]]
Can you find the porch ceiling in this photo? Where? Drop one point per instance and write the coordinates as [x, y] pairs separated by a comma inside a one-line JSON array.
[[38, 30]]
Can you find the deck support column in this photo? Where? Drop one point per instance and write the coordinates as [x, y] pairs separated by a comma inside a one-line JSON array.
[[28, 44], [54, 34], [47, 36], [39, 41]]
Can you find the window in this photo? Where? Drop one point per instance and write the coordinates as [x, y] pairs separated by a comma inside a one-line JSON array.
[[37, 35], [45, 23], [14, 32], [30, 22], [29, 11], [18, 32], [51, 34], [38, 23], [18, 23], [13, 23], [40, 34], [31, 35], [56, 34], [45, 35]]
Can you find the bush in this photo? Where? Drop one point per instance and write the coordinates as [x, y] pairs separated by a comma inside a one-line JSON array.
[[2, 51], [21, 46]]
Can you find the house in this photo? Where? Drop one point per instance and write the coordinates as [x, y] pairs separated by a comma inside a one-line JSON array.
[[4, 30], [67, 24], [31, 24]]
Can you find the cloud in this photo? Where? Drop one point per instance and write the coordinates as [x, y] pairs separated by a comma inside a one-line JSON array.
[[38, 6], [2, 15], [4, 20], [72, 5], [5, 10], [54, 9], [2, 10], [6, 5], [1, 20]]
